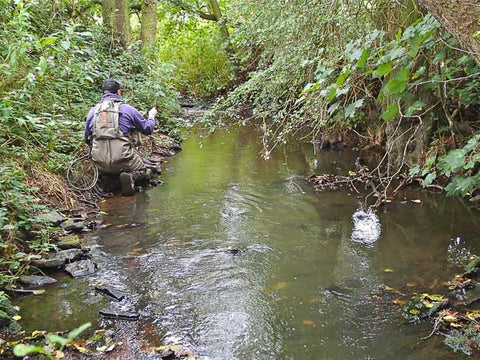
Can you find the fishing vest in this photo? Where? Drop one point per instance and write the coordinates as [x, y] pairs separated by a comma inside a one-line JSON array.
[[112, 151], [105, 120]]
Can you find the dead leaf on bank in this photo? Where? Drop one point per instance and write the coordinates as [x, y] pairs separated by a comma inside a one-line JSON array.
[[80, 349], [399, 302], [450, 318]]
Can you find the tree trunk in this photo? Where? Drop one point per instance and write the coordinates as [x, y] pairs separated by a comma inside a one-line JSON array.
[[116, 20], [460, 18], [148, 30], [217, 13], [122, 22], [108, 13]]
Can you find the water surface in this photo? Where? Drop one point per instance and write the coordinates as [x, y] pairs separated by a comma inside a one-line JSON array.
[[307, 279]]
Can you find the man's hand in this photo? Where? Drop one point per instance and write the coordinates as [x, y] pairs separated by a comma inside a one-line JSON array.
[[152, 114]]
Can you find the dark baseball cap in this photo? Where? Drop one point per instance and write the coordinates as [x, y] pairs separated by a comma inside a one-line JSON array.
[[111, 85]]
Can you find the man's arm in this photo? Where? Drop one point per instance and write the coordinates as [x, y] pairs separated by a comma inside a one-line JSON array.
[[144, 126]]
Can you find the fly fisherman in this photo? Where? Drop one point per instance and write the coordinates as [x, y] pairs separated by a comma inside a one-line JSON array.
[[109, 130]]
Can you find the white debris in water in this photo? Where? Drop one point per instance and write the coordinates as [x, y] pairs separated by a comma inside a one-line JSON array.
[[366, 226]]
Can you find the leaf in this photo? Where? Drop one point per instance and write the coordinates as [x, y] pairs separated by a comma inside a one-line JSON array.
[[391, 112], [414, 171], [363, 59], [47, 41], [56, 339], [65, 44], [343, 76], [383, 69], [417, 201], [388, 270], [399, 302], [22, 350], [429, 179], [452, 162], [399, 82], [74, 333], [430, 161], [331, 93], [450, 318], [414, 311], [16, 317], [417, 106], [350, 110], [42, 64]]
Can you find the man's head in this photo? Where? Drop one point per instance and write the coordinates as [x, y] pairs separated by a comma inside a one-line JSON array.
[[111, 86]]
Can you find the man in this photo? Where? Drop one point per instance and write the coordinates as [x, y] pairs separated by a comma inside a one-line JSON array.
[[109, 129]]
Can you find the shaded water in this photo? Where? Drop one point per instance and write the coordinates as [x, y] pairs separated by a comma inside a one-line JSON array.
[[307, 282]]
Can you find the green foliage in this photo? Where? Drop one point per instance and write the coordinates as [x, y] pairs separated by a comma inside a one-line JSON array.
[[55, 341], [459, 165], [317, 67], [196, 50], [51, 70], [17, 206]]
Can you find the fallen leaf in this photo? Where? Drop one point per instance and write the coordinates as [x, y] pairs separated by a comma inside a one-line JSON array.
[[16, 317], [456, 325], [388, 288], [388, 270], [410, 285], [308, 322], [81, 349], [450, 318], [399, 302], [417, 201]]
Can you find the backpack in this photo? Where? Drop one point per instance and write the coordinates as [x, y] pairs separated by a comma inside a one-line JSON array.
[[105, 120]]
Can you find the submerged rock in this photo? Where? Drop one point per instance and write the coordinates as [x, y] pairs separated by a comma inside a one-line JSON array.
[[58, 259], [119, 315], [36, 280], [110, 292], [81, 268]]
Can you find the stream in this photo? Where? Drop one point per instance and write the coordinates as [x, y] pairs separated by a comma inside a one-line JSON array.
[[236, 257]]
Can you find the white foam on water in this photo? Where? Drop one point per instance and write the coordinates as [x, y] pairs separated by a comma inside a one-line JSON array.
[[366, 226]]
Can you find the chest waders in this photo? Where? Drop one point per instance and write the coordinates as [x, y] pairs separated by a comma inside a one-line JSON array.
[[112, 151]]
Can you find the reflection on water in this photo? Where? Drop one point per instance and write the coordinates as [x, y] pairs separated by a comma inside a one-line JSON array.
[[237, 258]]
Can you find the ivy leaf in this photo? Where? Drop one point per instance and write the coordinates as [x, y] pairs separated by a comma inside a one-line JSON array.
[[343, 76], [429, 179], [461, 185], [399, 82], [383, 69], [391, 112], [363, 59], [451, 162], [414, 171], [417, 106], [430, 161], [350, 110]]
